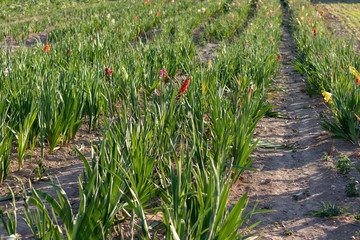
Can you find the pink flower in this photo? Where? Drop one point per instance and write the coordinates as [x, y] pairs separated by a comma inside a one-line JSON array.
[[163, 74]]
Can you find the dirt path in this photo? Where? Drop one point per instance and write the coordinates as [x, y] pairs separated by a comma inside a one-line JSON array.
[[294, 180]]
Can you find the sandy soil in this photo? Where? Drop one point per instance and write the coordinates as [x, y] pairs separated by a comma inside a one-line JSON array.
[[294, 180]]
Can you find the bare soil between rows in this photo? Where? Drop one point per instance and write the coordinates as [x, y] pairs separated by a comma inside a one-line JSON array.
[[295, 178]]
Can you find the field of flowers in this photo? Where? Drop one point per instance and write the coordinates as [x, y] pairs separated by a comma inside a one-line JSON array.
[[332, 66], [133, 70], [177, 130]]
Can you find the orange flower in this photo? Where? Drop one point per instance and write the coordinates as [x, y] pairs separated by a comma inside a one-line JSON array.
[[358, 119], [158, 14], [135, 18], [47, 48], [146, 2]]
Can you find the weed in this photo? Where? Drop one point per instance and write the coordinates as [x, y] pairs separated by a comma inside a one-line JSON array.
[[288, 232], [351, 190], [40, 170], [325, 156], [267, 206], [357, 217], [344, 164], [329, 210], [301, 195]]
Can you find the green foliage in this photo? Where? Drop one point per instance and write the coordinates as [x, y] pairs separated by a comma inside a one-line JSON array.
[[23, 135], [10, 221], [329, 210], [165, 148], [332, 66], [5, 147], [351, 189], [344, 164], [40, 170]]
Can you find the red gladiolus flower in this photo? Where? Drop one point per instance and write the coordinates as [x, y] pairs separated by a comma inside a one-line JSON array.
[[279, 57], [108, 72], [47, 48], [342, 66], [183, 88], [314, 31], [357, 81], [211, 19], [68, 51], [150, 36]]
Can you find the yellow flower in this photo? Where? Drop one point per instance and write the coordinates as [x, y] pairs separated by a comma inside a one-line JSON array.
[[353, 71], [327, 96]]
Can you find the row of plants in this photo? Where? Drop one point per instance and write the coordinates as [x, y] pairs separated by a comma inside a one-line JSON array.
[[55, 86], [13, 10], [331, 65], [229, 22], [93, 18], [177, 134]]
